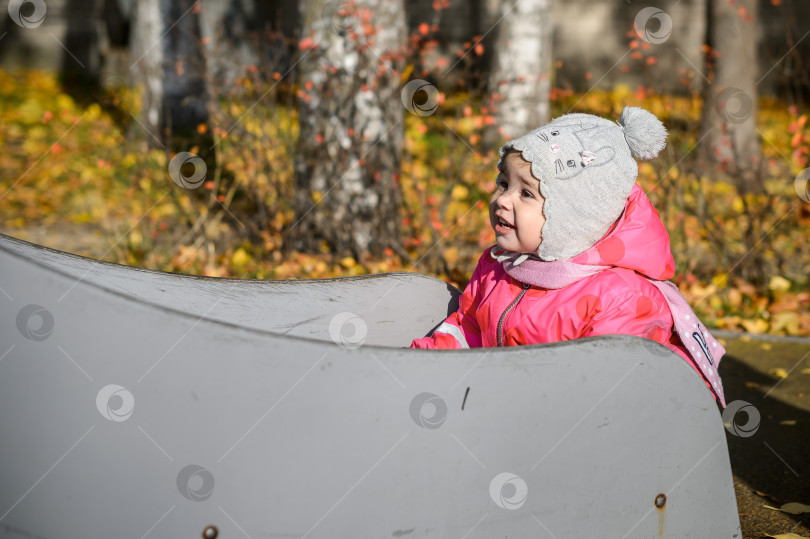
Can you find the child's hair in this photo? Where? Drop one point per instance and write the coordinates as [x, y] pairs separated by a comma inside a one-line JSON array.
[[506, 153], [586, 171]]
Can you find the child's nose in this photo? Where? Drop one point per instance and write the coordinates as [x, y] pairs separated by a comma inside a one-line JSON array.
[[505, 200]]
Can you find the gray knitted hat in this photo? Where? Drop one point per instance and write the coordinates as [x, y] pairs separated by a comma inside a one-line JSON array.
[[586, 170]]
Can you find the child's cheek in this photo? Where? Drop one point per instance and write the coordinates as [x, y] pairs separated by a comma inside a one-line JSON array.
[[492, 208]]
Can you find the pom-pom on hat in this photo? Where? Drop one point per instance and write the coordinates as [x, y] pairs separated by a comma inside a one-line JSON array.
[[586, 168]]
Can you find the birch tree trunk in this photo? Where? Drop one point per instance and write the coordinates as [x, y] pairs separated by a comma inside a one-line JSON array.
[[147, 66], [169, 65], [521, 76], [729, 140], [351, 128]]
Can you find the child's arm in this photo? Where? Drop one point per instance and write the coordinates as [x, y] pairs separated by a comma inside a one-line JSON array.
[[460, 329]]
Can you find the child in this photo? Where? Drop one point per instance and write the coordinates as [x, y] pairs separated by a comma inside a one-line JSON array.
[[580, 249]]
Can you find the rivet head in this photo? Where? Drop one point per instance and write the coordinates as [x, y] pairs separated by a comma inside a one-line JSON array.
[[660, 500], [210, 532]]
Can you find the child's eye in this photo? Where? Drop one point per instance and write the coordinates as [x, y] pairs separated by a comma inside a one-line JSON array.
[[527, 194]]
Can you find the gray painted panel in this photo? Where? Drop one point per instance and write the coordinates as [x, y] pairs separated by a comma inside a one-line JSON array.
[[300, 438], [396, 307]]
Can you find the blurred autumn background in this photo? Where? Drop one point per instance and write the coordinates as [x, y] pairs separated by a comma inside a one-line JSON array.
[[280, 140]]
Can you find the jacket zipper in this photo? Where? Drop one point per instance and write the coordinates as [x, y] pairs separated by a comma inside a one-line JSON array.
[[506, 311]]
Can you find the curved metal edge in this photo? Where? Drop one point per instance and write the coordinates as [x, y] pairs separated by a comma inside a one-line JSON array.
[[87, 260]]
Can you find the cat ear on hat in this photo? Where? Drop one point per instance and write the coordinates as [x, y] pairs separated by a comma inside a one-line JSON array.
[[645, 134]]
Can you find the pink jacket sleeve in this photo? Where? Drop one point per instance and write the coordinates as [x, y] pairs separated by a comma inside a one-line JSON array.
[[460, 329]]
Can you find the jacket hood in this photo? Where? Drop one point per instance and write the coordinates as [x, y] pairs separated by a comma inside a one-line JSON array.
[[637, 241]]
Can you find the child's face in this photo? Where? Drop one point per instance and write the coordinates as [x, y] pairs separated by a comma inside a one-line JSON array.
[[516, 207]]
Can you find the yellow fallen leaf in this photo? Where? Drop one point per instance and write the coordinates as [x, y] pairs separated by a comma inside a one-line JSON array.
[[766, 346], [347, 262], [805, 371], [755, 326], [407, 73], [240, 257], [795, 508], [787, 321], [787, 536], [135, 237], [459, 192], [778, 372], [720, 280], [788, 422], [779, 283], [701, 292], [752, 385]]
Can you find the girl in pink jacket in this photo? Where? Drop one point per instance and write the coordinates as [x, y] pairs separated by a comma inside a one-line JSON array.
[[580, 249]]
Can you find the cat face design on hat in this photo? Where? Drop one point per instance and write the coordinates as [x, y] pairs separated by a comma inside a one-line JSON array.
[[569, 153], [586, 168], [571, 145]]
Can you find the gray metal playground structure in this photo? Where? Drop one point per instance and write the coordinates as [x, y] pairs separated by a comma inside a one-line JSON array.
[[143, 404]]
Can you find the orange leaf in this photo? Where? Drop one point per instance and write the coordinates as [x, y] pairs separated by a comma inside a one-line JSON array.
[[306, 43]]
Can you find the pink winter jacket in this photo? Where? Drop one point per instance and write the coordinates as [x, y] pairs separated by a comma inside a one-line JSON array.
[[498, 310]]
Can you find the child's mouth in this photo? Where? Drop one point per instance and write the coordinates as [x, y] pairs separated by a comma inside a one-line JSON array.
[[502, 227]]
